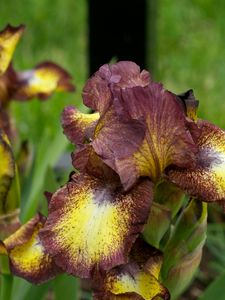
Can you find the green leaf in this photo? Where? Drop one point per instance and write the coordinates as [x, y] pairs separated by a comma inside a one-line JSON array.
[[215, 290], [158, 212], [13, 197], [6, 286], [23, 290], [20, 288], [38, 292], [65, 287], [170, 196], [48, 153]]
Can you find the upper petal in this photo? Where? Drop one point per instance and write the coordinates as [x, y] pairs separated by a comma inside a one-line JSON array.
[[92, 224], [166, 141], [207, 180], [97, 94], [9, 38]]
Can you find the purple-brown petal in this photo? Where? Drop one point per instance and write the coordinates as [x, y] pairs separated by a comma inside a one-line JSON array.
[[78, 127], [87, 161], [161, 139], [97, 94], [206, 180]]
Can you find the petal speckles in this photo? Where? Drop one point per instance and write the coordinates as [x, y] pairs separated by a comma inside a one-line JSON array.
[[27, 256], [207, 180], [137, 280], [92, 225]]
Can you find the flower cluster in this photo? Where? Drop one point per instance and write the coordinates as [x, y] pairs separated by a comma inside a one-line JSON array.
[[40, 82], [138, 135]]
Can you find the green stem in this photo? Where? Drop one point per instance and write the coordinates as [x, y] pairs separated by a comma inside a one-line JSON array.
[[6, 286]]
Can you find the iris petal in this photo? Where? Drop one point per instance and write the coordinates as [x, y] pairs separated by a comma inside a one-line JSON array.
[[7, 168], [190, 104], [166, 140], [27, 256], [42, 81], [92, 224], [207, 180], [87, 161], [78, 126], [134, 281], [9, 38], [97, 94]]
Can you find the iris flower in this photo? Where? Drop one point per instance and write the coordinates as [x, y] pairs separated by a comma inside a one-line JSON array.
[[139, 134], [41, 81]]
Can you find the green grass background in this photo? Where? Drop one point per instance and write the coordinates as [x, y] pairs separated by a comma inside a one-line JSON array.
[[190, 53]]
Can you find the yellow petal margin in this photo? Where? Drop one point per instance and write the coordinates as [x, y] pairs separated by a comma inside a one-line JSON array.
[[7, 168], [133, 281], [92, 224], [27, 256], [42, 81], [9, 38], [78, 127], [207, 180]]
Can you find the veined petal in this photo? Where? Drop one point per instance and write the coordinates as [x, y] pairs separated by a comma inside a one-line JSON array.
[[78, 126], [9, 38], [42, 81], [133, 281], [92, 224], [7, 168], [27, 256], [87, 161], [166, 140], [207, 180], [97, 94]]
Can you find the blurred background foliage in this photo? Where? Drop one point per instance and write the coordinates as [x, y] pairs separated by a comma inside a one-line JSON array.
[[189, 53]]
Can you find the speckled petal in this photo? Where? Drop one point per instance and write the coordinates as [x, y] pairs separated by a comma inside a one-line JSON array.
[[9, 38], [137, 280], [207, 180], [27, 256], [92, 224], [7, 169], [77, 126], [42, 81]]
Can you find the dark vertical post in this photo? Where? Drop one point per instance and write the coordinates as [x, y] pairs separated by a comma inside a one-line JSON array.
[[117, 29]]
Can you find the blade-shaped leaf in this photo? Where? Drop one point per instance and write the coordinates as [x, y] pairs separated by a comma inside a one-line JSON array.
[[215, 290]]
